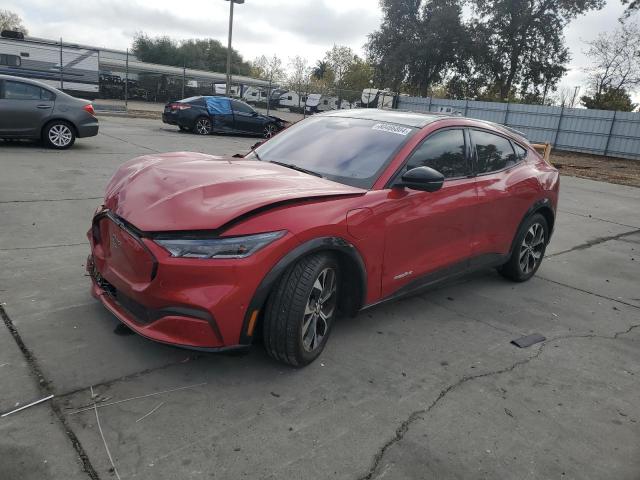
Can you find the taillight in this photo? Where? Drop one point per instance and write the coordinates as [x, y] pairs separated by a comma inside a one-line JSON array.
[[89, 109], [182, 106]]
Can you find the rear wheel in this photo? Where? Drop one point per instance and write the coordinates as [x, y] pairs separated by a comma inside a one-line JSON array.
[[203, 126], [301, 310], [528, 250], [59, 135]]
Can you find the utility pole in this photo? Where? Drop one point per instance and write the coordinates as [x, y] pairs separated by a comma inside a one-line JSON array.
[[231, 2], [126, 83]]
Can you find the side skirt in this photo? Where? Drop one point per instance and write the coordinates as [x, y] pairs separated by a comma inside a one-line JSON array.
[[457, 270]]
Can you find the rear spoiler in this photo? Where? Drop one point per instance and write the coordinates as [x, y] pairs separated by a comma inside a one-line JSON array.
[[543, 149]]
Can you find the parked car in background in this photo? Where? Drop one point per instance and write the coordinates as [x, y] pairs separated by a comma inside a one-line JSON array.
[[208, 114], [33, 110], [339, 212]]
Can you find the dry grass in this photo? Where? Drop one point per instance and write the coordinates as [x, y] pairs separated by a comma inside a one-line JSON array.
[[596, 167]]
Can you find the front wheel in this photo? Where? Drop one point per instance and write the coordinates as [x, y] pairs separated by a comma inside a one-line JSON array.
[[528, 251], [59, 135], [301, 310], [270, 130]]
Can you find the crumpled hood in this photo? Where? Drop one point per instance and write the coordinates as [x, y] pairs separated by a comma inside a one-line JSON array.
[[194, 191]]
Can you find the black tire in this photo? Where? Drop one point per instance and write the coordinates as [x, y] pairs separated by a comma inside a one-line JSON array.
[[288, 331], [528, 249], [59, 135], [203, 126]]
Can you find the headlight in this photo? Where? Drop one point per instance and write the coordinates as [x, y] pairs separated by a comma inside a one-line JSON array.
[[231, 247]]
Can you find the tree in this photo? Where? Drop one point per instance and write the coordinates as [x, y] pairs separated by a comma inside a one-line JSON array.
[[299, 77], [356, 79], [417, 43], [11, 21], [321, 69], [268, 68], [520, 43], [202, 54], [609, 99], [339, 59], [632, 6], [615, 61]]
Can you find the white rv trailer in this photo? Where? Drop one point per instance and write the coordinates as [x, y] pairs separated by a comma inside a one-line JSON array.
[[40, 59], [375, 98], [321, 103], [221, 89], [293, 101], [255, 95]]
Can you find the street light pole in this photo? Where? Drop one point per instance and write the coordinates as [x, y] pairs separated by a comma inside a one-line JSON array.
[[231, 2]]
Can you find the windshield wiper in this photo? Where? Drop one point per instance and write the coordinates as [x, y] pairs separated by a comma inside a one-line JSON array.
[[299, 169]]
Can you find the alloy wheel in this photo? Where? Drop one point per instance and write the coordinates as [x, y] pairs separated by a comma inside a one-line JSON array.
[[60, 135], [319, 310], [532, 248], [203, 126], [269, 130]]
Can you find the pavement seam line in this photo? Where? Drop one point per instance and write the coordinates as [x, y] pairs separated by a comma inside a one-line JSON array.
[[44, 246], [594, 242], [402, 430], [596, 218], [50, 200], [578, 289], [45, 387]]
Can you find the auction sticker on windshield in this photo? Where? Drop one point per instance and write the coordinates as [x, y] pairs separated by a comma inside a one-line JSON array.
[[385, 127]]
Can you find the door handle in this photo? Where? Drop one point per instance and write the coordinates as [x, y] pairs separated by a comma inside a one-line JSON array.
[[43, 106]]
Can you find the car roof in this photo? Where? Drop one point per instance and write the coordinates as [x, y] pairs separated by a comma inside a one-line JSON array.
[[27, 80], [420, 120], [409, 119]]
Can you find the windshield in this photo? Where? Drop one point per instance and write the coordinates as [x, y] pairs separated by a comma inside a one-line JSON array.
[[352, 151]]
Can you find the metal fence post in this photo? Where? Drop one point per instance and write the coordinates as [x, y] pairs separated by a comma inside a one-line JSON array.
[[126, 83], [613, 121], [466, 106], [269, 97], [555, 139], [184, 74], [506, 115], [61, 67], [429, 106]]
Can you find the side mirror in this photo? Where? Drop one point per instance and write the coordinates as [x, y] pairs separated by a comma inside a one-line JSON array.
[[254, 114], [425, 179]]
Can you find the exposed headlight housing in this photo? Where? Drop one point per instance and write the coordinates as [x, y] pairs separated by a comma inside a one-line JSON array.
[[222, 247]]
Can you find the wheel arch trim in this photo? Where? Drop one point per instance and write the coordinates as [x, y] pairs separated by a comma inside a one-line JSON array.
[[335, 244], [543, 206]]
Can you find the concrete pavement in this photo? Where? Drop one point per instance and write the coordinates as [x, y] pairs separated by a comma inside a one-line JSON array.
[[427, 387]]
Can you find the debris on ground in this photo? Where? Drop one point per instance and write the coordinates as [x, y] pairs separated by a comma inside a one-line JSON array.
[[528, 340], [15, 410]]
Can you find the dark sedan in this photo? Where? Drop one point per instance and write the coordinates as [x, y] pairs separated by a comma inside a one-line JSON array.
[[209, 114], [34, 110]]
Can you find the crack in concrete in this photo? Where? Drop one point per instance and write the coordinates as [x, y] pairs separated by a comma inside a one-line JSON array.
[[50, 200], [402, 430], [44, 246], [45, 387], [594, 242], [129, 142]]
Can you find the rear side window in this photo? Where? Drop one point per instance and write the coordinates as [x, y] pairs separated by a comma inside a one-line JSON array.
[[493, 152], [241, 107], [443, 151], [47, 95], [520, 152], [21, 91]]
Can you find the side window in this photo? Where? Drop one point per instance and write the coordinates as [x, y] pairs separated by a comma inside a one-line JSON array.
[[443, 151], [46, 95], [21, 91], [494, 152], [10, 60], [520, 152], [241, 107]]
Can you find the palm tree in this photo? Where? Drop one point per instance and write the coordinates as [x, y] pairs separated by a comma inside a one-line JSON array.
[[320, 70]]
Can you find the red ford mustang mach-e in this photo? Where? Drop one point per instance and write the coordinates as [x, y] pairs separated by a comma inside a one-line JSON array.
[[335, 214]]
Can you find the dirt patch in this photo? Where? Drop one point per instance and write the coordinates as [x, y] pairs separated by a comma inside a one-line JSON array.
[[597, 167]]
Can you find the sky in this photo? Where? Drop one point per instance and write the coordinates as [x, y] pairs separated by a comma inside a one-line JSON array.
[[284, 27]]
